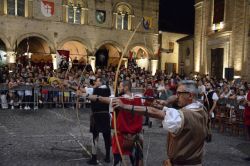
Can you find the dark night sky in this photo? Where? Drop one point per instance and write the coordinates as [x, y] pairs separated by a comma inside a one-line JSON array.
[[177, 16]]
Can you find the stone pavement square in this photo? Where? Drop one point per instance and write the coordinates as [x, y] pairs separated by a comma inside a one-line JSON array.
[[52, 137]]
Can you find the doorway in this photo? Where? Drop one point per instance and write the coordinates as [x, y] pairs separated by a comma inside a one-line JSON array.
[[217, 63]]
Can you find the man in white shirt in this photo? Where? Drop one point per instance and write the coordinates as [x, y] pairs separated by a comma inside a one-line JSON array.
[[187, 127], [210, 102]]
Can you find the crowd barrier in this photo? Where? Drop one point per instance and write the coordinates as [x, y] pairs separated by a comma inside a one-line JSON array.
[[36, 96]]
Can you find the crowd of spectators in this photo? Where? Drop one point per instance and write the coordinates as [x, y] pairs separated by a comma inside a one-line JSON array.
[[47, 83], [163, 84]]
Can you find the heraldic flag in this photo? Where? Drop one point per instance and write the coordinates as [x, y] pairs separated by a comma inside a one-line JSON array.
[[47, 8], [62, 55]]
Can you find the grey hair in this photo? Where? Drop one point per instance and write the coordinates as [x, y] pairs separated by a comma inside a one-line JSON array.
[[190, 86]]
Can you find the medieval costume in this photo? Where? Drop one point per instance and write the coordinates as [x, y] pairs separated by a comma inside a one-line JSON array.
[[210, 98], [129, 126], [187, 131], [100, 121]]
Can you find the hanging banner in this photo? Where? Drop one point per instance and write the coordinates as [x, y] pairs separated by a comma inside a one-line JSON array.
[[47, 8], [62, 59], [147, 23], [100, 16]]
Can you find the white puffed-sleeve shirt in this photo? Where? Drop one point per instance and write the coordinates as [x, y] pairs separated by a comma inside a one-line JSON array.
[[174, 119]]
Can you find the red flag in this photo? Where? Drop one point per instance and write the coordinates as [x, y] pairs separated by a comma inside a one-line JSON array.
[[64, 54], [130, 55]]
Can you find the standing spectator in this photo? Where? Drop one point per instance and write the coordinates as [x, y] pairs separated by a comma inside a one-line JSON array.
[[201, 90], [240, 99], [28, 94], [247, 115], [12, 84], [210, 101], [149, 92], [20, 92]]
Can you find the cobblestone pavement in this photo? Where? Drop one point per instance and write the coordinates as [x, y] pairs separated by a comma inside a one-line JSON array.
[[52, 137]]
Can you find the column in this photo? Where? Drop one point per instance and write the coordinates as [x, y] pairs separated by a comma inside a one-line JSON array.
[[54, 61], [198, 36], [91, 61], [115, 20], [15, 7], [11, 57], [74, 14], [30, 9], [26, 8], [5, 11], [154, 66], [226, 57], [123, 21], [125, 60], [65, 13], [84, 15], [129, 22]]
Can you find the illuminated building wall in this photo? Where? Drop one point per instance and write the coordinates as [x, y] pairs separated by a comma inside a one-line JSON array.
[[170, 50], [222, 24], [81, 26]]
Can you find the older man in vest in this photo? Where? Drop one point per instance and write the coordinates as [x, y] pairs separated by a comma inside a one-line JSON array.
[[187, 127]]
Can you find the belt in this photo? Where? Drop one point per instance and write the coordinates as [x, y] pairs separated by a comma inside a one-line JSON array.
[[182, 163], [190, 162], [101, 112]]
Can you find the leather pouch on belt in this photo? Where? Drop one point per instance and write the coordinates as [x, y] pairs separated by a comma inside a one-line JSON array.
[[128, 142]]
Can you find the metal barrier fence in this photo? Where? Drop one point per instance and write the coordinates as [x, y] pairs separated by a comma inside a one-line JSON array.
[[34, 97], [37, 96]]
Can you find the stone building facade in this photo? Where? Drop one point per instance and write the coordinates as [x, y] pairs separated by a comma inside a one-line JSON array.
[[169, 57], [221, 37], [81, 26], [186, 55]]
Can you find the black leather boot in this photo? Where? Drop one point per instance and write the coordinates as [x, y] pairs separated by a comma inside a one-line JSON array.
[[93, 160], [107, 159]]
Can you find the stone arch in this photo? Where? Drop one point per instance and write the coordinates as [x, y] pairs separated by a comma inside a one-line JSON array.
[[114, 43], [81, 3], [24, 36], [141, 55], [123, 6], [74, 38], [3, 52], [109, 52], [34, 48], [79, 48], [5, 41], [148, 50]]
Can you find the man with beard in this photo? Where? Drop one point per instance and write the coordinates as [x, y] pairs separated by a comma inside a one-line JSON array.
[[187, 127], [100, 118], [210, 102], [129, 127]]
